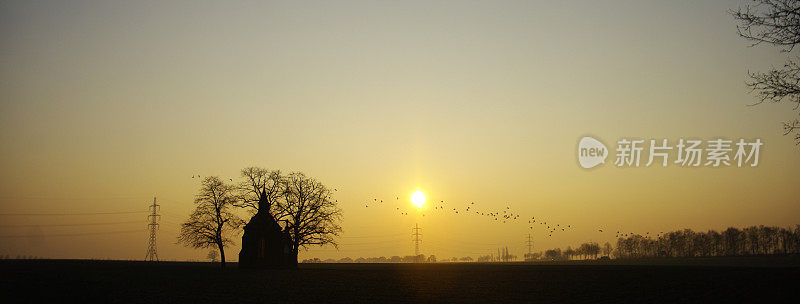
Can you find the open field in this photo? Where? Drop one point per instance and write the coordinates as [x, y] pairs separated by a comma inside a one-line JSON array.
[[756, 279]]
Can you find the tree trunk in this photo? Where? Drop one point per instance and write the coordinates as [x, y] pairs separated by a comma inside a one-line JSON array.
[[221, 255], [293, 251]]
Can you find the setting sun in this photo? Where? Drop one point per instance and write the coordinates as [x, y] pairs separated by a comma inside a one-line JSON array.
[[418, 198]]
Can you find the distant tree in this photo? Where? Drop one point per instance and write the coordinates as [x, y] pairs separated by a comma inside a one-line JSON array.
[[212, 256], [715, 242], [528, 256], [345, 260], [553, 254], [466, 259], [592, 250], [580, 252], [504, 256], [212, 221], [784, 238], [607, 249], [732, 242], [568, 253], [310, 212], [794, 240], [752, 239], [774, 22]]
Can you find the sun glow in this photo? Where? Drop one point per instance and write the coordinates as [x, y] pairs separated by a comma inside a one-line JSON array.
[[418, 198]]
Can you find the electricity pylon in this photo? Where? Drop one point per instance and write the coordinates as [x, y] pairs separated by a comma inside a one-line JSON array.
[[416, 236], [152, 254], [530, 244]]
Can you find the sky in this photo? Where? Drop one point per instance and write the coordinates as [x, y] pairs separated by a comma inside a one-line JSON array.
[[106, 104]]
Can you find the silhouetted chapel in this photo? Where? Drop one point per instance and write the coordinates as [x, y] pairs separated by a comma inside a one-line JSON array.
[[264, 243]]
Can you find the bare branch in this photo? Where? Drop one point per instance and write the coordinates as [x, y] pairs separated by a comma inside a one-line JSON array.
[[212, 220], [257, 181], [775, 22], [312, 215]]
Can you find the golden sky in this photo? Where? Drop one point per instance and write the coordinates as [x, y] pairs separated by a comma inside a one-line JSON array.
[[105, 104]]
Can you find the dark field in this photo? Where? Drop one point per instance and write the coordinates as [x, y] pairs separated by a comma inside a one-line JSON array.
[[751, 280]]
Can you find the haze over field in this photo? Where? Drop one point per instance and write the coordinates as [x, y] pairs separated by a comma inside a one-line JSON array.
[[105, 104]]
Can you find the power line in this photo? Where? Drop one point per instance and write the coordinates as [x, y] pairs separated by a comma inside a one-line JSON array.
[[69, 198], [372, 236], [60, 225], [73, 234], [58, 214], [344, 245]]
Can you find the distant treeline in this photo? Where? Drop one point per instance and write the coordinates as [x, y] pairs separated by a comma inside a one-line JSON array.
[[754, 240], [394, 259], [19, 257], [503, 255], [589, 250]]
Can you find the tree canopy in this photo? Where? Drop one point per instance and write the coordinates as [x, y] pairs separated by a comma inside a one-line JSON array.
[[213, 221]]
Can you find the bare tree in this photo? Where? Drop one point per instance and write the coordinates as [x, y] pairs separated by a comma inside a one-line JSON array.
[[309, 211], [257, 182], [607, 249], [212, 255], [212, 220], [775, 22], [568, 253], [553, 254]]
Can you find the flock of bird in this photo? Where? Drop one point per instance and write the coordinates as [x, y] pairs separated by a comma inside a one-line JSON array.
[[505, 215], [198, 176], [502, 216]]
